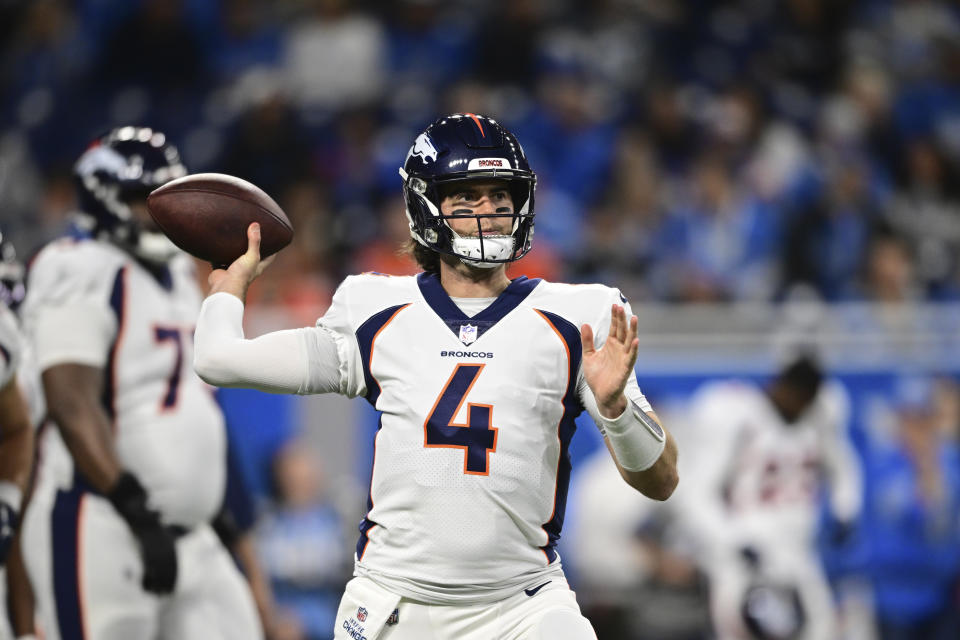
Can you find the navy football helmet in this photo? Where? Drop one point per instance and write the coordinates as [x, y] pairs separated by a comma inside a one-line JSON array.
[[122, 167], [459, 147], [12, 272]]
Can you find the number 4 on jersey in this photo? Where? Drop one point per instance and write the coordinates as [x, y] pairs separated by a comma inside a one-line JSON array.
[[477, 438]]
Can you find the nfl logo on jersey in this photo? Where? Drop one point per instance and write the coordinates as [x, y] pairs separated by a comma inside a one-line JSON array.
[[361, 614], [394, 617], [468, 334]]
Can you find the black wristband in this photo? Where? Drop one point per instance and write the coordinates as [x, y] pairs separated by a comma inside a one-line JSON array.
[[129, 498]]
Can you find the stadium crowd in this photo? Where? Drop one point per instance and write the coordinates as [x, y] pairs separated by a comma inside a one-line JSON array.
[[704, 151], [735, 149]]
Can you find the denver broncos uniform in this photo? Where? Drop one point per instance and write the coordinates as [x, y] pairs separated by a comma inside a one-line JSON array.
[[477, 399], [10, 345], [90, 303], [757, 485], [15, 359], [471, 464]]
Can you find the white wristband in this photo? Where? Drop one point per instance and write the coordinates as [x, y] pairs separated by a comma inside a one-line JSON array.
[[11, 495], [636, 438]]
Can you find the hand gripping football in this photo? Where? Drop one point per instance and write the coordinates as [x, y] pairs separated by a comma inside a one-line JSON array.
[[207, 215]]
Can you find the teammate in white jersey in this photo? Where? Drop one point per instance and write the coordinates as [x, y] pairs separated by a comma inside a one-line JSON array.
[[763, 459], [477, 379], [117, 540], [17, 418]]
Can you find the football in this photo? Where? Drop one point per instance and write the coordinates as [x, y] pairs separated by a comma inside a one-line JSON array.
[[207, 215]]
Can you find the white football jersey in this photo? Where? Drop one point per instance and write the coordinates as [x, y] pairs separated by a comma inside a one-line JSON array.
[[88, 302], [471, 463], [755, 479]]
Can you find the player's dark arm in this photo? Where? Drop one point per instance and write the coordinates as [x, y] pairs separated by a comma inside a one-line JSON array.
[[21, 606], [74, 393], [16, 456], [16, 462], [658, 481], [16, 436]]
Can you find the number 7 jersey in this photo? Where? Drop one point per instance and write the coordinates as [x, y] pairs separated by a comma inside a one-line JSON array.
[[90, 303], [471, 464]]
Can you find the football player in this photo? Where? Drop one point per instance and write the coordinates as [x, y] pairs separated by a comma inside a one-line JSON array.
[[20, 409], [118, 544], [478, 379], [764, 457]]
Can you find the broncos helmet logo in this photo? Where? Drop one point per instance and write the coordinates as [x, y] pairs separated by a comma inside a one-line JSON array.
[[423, 147]]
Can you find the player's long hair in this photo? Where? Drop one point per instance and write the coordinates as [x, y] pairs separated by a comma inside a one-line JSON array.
[[427, 259]]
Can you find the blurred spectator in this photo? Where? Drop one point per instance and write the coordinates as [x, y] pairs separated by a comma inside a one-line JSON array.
[[673, 603], [720, 243], [42, 46], [299, 281], [826, 240], [620, 243], [514, 28], [153, 48], [889, 275], [926, 212], [570, 131], [543, 261], [301, 541], [246, 36], [912, 514], [867, 93], [268, 144], [385, 253], [234, 526], [632, 566], [335, 56], [673, 136], [429, 44], [346, 161], [805, 45]]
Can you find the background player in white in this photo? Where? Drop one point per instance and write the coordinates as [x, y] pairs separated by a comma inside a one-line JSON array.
[[478, 379], [17, 418], [763, 458], [117, 541]]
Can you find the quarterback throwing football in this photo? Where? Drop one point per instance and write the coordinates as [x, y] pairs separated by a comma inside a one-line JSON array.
[[478, 379]]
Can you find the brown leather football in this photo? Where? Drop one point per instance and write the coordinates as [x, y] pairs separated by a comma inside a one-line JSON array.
[[207, 215]]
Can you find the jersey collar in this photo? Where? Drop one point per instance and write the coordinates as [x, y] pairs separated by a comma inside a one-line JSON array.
[[511, 297]]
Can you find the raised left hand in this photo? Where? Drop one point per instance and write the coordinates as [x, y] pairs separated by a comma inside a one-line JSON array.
[[606, 370]]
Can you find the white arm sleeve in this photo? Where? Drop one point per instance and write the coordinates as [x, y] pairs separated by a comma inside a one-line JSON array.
[[291, 361], [634, 437]]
